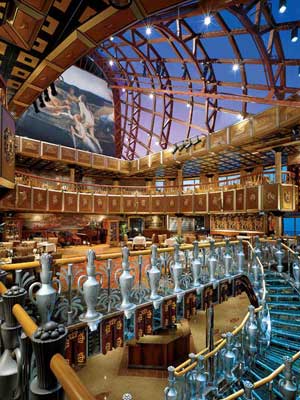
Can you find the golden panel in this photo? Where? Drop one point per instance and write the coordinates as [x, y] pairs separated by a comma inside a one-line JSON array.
[[50, 151], [129, 204], [241, 130], [69, 54], [158, 204], [23, 197], [27, 59], [287, 197], [13, 84], [112, 163], [240, 200], [68, 154], [50, 25], [288, 113], [45, 76], [186, 203], [87, 13], [20, 73], [218, 139], [171, 203], [100, 204], [8, 201], [265, 121], [114, 204], [28, 96], [26, 26], [55, 198], [39, 45], [144, 163], [143, 204], [3, 47], [62, 5], [83, 157], [85, 202], [270, 197], [40, 5], [31, 147], [97, 160]]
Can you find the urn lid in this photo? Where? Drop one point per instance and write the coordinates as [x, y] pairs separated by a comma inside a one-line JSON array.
[[49, 331]]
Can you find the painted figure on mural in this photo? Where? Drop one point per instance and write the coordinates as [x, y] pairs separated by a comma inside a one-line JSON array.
[[271, 224]]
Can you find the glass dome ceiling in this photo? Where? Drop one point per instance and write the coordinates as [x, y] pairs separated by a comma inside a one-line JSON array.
[[182, 75]]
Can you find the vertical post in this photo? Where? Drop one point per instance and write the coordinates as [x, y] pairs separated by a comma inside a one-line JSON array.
[[179, 226], [72, 177], [278, 165], [210, 339]]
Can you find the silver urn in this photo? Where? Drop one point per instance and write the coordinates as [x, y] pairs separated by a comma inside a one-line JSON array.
[[45, 297], [196, 265], [227, 258], [125, 281], [252, 332], [176, 270], [90, 289], [212, 261], [288, 385], [296, 270], [279, 254], [240, 257], [154, 274], [229, 358]]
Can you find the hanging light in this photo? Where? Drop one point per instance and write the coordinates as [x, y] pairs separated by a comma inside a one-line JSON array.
[[207, 20], [148, 30], [235, 67], [294, 34], [120, 4], [282, 6]]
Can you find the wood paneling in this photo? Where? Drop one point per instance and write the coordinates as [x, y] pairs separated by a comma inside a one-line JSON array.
[[70, 202]]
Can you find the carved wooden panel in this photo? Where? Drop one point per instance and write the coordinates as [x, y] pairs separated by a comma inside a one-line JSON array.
[[23, 197], [31, 147], [72, 51], [270, 197], [114, 204], [143, 204], [218, 139], [70, 202], [84, 157], [55, 200], [240, 200], [98, 161], [39, 199], [215, 201], [68, 154], [158, 204], [129, 204], [186, 203], [100, 204], [241, 131], [112, 163], [7, 175], [228, 200], [45, 77], [8, 200], [287, 198], [50, 151], [252, 198], [171, 204], [200, 202], [265, 121], [85, 203]]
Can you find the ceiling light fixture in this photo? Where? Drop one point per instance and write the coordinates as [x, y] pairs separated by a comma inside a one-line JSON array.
[[294, 34], [188, 105], [111, 62], [235, 67], [123, 90], [151, 96], [282, 6], [148, 30], [240, 116], [120, 4], [207, 20], [111, 38]]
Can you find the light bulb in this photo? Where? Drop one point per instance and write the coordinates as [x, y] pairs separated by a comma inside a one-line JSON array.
[[148, 30], [111, 38], [207, 20], [151, 96], [235, 67], [111, 62], [282, 6]]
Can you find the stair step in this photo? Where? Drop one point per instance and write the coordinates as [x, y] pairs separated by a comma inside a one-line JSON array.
[[285, 343], [287, 296], [283, 287], [283, 333], [291, 314], [287, 323]]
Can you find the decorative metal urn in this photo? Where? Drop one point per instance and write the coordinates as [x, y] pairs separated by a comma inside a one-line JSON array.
[[227, 258], [46, 296], [170, 391], [257, 249], [279, 254], [240, 257], [201, 379], [229, 358], [126, 282], [296, 270], [176, 270], [91, 291], [154, 275], [212, 261], [196, 265], [248, 390], [251, 332], [288, 385]]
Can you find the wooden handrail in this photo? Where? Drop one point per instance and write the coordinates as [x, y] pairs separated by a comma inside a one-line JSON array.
[[28, 325], [103, 257], [3, 288], [69, 380]]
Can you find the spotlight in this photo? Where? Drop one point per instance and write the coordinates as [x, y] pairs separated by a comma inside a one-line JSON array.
[[207, 20], [35, 106], [235, 67], [151, 96], [282, 6], [294, 34], [148, 30], [123, 90], [46, 95], [53, 89], [188, 105], [299, 71], [240, 116], [111, 62], [120, 4], [42, 104], [111, 38]]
